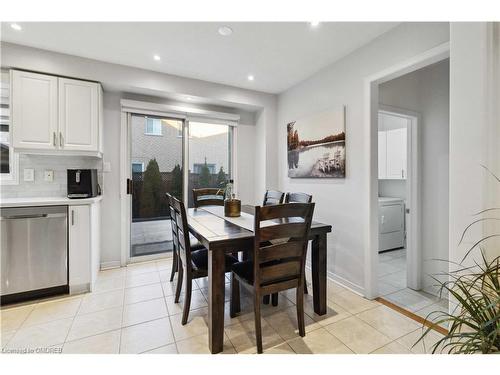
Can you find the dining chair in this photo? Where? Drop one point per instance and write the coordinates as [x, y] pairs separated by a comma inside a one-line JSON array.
[[208, 197], [278, 259], [296, 198], [193, 264], [195, 245], [273, 197]]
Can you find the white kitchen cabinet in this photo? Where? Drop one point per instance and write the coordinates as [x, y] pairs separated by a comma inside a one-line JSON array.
[[56, 115], [392, 147], [391, 223], [78, 115], [79, 248], [34, 110]]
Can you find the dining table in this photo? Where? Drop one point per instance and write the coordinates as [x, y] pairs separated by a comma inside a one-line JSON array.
[[223, 235]]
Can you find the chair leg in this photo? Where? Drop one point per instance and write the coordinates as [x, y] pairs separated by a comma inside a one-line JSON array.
[[235, 306], [187, 298], [265, 299], [180, 276], [175, 265], [274, 299], [300, 310], [305, 286], [258, 329]]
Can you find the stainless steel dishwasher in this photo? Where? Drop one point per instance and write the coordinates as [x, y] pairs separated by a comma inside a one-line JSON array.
[[34, 252]]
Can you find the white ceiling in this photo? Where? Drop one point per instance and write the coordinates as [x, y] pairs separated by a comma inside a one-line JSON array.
[[278, 54]]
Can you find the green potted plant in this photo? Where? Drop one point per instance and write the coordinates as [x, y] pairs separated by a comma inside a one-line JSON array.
[[474, 324]]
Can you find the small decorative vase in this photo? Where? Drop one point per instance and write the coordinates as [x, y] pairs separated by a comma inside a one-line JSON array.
[[232, 208]]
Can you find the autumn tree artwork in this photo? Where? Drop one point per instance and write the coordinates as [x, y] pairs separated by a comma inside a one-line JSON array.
[[316, 145]]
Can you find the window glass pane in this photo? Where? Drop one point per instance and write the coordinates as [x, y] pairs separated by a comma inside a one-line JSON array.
[[209, 156], [156, 165]]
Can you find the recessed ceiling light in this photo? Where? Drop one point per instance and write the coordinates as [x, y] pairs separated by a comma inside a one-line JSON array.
[[189, 98], [225, 30], [251, 77], [314, 24], [16, 26], [157, 58]]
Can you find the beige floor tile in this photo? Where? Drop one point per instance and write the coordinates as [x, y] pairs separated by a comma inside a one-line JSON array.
[[13, 318], [146, 336], [139, 268], [164, 264], [93, 302], [104, 343], [411, 300], [140, 279], [143, 293], [353, 302], [167, 349], [389, 322], [203, 281], [397, 279], [41, 335], [285, 323], [227, 292], [319, 341], [144, 311], [392, 348], [165, 275], [197, 301], [108, 284], [169, 287], [245, 314], [242, 336], [199, 345], [283, 304], [95, 323], [5, 337], [359, 336], [409, 341], [53, 310], [280, 349], [196, 325], [334, 312]]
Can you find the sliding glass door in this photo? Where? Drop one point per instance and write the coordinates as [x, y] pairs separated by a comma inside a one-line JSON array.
[[159, 155], [209, 156], [156, 155]]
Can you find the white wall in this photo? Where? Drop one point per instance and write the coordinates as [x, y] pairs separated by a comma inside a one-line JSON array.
[[255, 135], [474, 133], [426, 91], [343, 202]]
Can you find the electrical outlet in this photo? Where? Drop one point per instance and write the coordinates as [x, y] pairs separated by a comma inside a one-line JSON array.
[[48, 176], [29, 174]]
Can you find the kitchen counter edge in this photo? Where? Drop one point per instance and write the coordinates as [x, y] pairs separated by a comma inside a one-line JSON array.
[[47, 201]]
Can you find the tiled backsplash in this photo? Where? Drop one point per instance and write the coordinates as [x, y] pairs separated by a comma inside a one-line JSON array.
[[41, 163]]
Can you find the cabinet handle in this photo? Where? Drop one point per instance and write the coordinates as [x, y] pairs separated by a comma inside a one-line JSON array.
[[402, 173], [72, 217], [55, 139], [60, 139]]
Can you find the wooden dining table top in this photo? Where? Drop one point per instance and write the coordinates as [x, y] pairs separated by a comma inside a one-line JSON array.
[[214, 231]]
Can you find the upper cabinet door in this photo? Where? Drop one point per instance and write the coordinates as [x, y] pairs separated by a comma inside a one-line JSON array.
[[396, 154], [34, 110], [78, 115]]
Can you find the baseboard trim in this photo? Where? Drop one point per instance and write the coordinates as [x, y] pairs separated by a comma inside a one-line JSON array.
[[109, 265], [412, 316], [343, 282]]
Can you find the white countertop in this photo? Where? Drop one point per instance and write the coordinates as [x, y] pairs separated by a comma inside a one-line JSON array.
[[46, 201]]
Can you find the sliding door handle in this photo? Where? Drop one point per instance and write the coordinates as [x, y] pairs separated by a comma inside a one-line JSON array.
[[54, 139], [130, 186], [60, 139]]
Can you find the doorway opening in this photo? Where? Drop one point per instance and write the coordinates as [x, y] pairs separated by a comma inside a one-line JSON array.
[[413, 139]]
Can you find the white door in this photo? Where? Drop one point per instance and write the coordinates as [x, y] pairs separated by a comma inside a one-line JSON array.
[[34, 111], [396, 153], [78, 115], [79, 245]]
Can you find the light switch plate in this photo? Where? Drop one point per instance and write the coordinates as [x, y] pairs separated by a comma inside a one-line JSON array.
[[29, 174], [48, 176]]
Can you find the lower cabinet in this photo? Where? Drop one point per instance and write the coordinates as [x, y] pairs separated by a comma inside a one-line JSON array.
[[84, 246]]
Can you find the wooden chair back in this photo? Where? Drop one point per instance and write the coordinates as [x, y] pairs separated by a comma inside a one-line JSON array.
[[208, 197], [298, 198], [183, 243], [273, 197], [280, 246], [173, 223]]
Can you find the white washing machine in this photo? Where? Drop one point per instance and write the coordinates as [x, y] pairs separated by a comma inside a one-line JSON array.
[[391, 223]]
